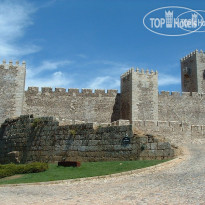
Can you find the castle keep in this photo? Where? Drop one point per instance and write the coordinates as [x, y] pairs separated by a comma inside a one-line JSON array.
[[139, 99]]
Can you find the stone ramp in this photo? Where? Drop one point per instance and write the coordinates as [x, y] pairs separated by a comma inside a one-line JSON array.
[[180, 184]]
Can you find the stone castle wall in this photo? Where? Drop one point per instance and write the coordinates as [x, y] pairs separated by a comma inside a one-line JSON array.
[[12, 83], [111, 106], [139, 98], [176, 117], [126, 96], [87, 105], [173, 131], [27, 139], [186, 107]]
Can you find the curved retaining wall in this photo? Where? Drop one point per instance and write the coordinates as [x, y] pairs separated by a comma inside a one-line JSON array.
[[26, 139]]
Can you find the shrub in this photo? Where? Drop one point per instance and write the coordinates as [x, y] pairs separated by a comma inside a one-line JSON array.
[[72, 132], [6, 173], [37, 122], [35, 167], [12, 169]]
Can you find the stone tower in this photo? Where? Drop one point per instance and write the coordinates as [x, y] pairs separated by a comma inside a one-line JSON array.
[[139, 95], [12, 84], [193, 72]]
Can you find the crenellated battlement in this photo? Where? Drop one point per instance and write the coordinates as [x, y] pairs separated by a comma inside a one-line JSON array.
[[72, 92], [201, 52], [181, 94], [139, 72], [192, 54], [145, 72], [126, 74], [11, 65], [139, 98], [76, 104]]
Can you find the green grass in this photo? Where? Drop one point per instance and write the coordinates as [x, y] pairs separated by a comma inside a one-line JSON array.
[[87, 169]]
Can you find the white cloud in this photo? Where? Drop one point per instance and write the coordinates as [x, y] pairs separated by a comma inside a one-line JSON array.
[[48, 65], [53, 65], [105, 82], [111, 82], [168, 80], [98, 82], [11, 51], [106, 67], [57, 79], [15, 17]]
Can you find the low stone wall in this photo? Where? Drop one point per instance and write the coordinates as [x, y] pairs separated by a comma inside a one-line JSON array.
[[173, 131], [27, 139]]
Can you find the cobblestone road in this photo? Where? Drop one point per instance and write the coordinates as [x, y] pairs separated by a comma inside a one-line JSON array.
[[183, 183]]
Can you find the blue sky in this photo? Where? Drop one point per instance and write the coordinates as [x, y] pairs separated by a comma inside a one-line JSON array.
[[90, 43]]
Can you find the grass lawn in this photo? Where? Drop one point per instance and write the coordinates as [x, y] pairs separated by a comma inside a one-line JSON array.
[[87, 169]]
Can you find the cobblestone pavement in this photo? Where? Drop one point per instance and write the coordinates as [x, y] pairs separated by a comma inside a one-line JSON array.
[[183, 183]]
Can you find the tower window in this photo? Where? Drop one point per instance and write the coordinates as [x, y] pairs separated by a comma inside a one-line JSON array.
[[187, 72], [204, 75]]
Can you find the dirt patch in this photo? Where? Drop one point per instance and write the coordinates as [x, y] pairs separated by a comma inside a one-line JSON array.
[[11, 177]]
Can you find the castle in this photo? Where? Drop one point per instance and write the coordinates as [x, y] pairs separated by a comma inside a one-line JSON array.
[[137, 123], [139, 99]]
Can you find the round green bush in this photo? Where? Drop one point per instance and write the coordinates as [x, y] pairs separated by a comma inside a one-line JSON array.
[[12, 169]]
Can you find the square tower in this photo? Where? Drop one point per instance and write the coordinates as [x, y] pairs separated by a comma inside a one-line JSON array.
[[193, 72], [139, 95], [12, 88]]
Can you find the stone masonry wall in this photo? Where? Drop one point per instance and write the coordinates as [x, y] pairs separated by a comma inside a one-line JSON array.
[[186, 107], [189, 73], [126, 96], [139, 95], [173, 131], [12, 82], [144, 95], [73, 105], [200, 64], [27, 139], [193, 72], [139, 98]]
